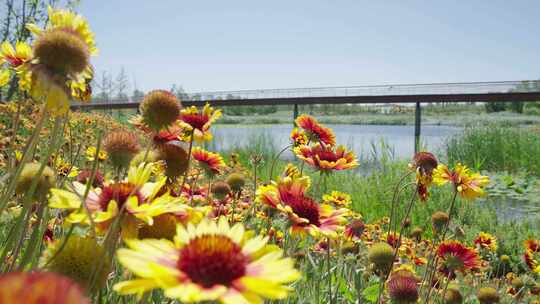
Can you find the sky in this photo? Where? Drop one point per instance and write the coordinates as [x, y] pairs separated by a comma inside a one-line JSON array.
[[239, 44]]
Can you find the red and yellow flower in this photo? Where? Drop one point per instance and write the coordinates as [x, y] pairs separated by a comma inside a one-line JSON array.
[[15, 58], [339, 199], [199, 122], [456, 256], [486, 241], [327, 158], [469, 185], [298, 137], [208, 262], [212, 163], [139, 199], [40, 288], [288, 195], [315, 131], [532, 255]]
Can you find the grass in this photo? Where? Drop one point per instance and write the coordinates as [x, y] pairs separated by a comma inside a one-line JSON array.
[[497, 147], [371, 187]]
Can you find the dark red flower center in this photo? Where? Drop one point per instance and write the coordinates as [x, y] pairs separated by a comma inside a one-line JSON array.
[[119, 192], [197, 121], [304, 207], [327, 155], [14, 61], [211, 260]]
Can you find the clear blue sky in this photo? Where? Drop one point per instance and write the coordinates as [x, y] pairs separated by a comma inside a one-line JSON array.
[[229, 45]]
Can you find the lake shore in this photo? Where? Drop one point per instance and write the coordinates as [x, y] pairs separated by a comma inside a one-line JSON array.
[[436, 119]]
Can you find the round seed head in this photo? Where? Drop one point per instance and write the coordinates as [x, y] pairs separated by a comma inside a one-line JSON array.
[[160, 109], [220, 189], [62, 51], [29, 173], [176, 158], [236, 181], [121, 146], [417, 232], [381, 255], [79, 259], [84, 176], [453, 296], [439, 220], [488, 295], [403, 288], [517, 283], [505, 259], [164, 227]]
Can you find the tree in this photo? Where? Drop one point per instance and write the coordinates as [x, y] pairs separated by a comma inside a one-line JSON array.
[[122, 85]]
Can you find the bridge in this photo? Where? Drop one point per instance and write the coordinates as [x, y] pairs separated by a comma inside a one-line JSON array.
[[376, 94], [505, 91]]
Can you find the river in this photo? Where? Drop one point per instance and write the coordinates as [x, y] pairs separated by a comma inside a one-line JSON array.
[[399, 139]]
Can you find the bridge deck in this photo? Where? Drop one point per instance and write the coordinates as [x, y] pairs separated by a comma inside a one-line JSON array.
[[379, 94]]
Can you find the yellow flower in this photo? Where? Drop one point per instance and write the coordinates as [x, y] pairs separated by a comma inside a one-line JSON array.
[[469, 185], [337, 198], [91, 154], [211, 261]]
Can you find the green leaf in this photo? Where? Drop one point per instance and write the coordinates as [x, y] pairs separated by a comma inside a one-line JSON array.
[[371, 293]]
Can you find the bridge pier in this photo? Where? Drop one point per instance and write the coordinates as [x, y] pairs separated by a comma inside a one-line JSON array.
[[295, 112], [417, 124]]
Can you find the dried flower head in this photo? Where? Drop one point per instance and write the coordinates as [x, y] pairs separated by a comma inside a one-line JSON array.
[[403, 287], [176, 158], [62, 51], [236, 181], [121, 146], [220, 189], [160, 109], [439, 220]]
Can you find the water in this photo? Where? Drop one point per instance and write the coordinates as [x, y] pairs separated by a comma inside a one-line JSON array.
[[400, 139]]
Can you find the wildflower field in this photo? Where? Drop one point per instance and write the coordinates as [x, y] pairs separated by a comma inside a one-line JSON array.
[[93, 210]]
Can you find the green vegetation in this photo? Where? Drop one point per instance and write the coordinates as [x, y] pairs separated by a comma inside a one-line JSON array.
[[497, 147]]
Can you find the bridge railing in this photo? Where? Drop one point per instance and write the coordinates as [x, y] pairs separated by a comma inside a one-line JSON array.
[[374, 90]]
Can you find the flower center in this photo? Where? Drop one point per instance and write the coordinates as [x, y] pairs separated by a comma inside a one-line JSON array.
[[119, 192], [211, 260], [327, 155], [306, 208], [14, 61], [195, 120]]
